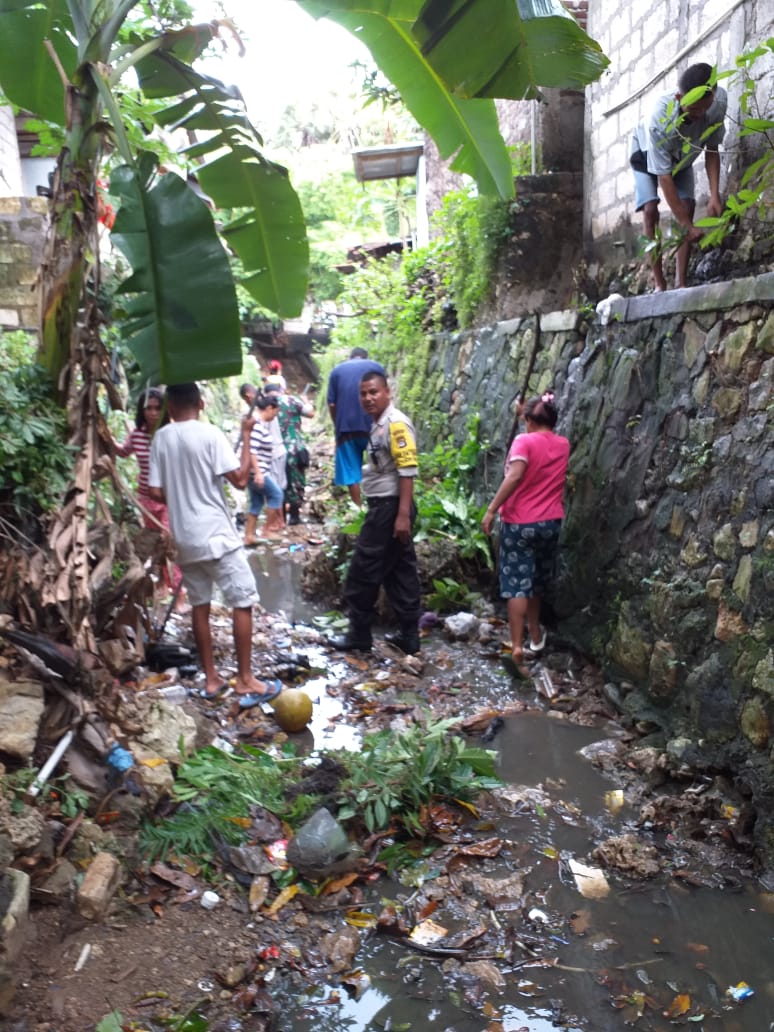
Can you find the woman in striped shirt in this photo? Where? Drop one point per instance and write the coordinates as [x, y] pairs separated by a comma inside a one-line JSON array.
[[138, 443], [267, 457]]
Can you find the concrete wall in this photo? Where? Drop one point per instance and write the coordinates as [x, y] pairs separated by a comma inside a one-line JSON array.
[[649, 45]]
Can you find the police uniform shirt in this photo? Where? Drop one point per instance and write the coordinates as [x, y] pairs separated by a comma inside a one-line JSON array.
[[392, 454]]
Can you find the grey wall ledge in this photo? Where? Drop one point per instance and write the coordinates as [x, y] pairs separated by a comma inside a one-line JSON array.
[[710, 297]]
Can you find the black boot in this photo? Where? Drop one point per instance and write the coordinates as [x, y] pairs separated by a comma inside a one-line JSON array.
[[294, 515], [357, 639], [406, 639]]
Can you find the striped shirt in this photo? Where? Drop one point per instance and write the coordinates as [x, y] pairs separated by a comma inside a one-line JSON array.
[[262, 445], [138, 443]]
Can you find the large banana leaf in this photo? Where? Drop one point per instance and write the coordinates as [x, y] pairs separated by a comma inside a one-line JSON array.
[[269, 233], [465, 129], [183, 321], [28, 74], [519, 45]]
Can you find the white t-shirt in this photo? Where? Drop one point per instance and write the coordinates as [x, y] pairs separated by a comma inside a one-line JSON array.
[[188, 460]]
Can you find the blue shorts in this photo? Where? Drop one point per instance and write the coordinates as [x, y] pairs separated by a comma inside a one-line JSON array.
[[269, 495], [527, 557], [646, 186], [348, 468]]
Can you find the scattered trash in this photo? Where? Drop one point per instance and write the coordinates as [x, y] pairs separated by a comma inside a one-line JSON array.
[[119, 760], [48, 767], [174, 693], [427, 932], [320, 846], [461, 626], [539, 916], [740, 992], [83, 956], [209, 899], [543, 683], [590, 881], [614, 800]]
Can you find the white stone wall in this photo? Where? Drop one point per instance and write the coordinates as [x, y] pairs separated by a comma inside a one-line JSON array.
[[649, 45], [10, 166]]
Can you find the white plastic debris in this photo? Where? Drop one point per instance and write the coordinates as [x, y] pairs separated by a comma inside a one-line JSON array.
[[209, 900], [591, 881]]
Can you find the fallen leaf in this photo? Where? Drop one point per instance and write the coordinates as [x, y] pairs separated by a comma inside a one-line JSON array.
[[259, 889], [360, 919], [580, 921], [284, 897], [170, 874], [680, 1005], [339, 883], [487, 847]]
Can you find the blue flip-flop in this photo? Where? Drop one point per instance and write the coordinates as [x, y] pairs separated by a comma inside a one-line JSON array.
[[217, 695], [255, 698]]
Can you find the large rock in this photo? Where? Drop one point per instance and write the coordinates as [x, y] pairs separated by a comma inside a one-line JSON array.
[[21, 708], [165, 727]]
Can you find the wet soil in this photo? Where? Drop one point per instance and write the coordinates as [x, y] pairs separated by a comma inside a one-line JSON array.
[[660, 949]]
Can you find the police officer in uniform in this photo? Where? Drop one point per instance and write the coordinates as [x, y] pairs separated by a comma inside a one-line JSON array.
[[384, 550]]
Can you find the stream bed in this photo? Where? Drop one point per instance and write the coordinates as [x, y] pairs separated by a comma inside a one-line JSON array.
[[654, 953]]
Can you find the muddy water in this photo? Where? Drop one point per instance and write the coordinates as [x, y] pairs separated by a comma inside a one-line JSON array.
[[658, 937]]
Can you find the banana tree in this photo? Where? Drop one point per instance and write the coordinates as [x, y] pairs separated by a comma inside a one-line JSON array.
[[64, 60]]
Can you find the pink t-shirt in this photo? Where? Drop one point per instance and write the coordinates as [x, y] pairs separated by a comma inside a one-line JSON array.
[[538, 495]]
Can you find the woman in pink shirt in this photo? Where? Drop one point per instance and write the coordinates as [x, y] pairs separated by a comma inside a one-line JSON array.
[[529, 501]]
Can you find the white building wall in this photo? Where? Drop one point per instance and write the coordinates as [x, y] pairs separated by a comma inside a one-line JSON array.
[[10, 166], [649, 45]]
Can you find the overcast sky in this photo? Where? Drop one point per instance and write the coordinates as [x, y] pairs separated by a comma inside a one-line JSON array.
[[289, 55]]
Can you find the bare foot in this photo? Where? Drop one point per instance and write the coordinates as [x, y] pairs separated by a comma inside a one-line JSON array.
[[518, 654], [251, 686]]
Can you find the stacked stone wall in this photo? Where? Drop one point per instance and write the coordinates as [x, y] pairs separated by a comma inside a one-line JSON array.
[[22, 235], [667, 568]]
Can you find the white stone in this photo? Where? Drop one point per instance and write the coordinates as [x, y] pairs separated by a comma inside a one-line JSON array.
[[21, 708]]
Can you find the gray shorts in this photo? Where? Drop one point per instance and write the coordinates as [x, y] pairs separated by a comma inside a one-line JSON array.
[[231, 573], [646, 186]]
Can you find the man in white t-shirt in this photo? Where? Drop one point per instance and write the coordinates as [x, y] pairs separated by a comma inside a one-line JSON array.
[[187, 463], [664, 148]]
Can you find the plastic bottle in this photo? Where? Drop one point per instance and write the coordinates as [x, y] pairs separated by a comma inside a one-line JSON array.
[[174, 693]]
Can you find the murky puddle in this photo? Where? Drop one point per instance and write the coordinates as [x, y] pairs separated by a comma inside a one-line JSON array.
[[646, 945]]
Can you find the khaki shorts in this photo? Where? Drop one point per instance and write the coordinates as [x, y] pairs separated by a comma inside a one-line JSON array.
[[231, 574]]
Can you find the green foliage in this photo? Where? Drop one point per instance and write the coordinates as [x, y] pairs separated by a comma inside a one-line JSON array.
[[218, 790], [753, 200], [395, 776], [398, 305], [473, 230], [33, 455], [446, 505], [449, 596]]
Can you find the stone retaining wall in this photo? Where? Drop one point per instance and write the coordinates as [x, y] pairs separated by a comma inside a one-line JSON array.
[[667, 572], [22, 235]]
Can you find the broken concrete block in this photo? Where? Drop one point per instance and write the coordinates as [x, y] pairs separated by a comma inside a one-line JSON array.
[[21, 707], [97, 888]]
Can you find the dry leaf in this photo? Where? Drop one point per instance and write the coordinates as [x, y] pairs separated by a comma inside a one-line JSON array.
[[284, 897], [680, 1005]]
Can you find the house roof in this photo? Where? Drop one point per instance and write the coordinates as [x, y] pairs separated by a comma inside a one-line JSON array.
[[391, 162]]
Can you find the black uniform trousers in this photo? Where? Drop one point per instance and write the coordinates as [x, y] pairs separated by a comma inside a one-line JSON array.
[[381, 559]]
